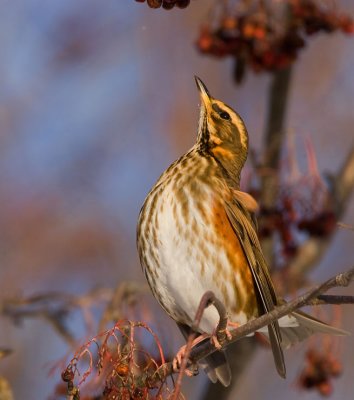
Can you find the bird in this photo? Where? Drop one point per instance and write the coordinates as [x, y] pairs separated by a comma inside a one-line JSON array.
[[197, 232]]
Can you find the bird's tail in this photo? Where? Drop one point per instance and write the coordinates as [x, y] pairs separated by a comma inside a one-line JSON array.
[[298, 326], [217, 367]]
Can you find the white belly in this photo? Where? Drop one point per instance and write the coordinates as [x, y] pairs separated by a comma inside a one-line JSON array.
[[185, 261]]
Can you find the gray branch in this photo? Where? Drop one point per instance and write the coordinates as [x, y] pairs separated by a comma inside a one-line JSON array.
[[311, 297]]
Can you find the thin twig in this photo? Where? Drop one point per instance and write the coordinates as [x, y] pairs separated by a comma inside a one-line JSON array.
[[324, 299], [345, 226], [54, 307]]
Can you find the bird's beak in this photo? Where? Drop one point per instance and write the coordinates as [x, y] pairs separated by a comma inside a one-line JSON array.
[[204, 93]]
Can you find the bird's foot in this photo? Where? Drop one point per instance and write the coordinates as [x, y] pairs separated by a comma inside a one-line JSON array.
[[232, 325], [217, 334], [177, 361], [215, 341]]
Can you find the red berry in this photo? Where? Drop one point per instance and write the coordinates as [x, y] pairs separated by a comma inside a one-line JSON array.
[[168, 4], [205, 40], [325, 388], [336, 368], [346, 24], [229, 23], [183, 3], [154, 3], [67, 375]]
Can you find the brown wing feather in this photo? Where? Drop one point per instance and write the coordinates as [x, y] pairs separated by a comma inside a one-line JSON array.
[[241, 222]]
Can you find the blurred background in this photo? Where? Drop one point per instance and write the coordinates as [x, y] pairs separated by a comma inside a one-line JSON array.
[[96, 100]]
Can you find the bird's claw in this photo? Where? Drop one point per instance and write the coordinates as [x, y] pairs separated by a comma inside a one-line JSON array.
[[233, 325], [177, 361], [214, 339]]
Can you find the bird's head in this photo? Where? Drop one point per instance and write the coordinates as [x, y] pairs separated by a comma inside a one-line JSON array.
[[221, 131]]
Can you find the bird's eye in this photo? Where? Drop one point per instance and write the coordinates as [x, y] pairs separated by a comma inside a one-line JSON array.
[[224, 115]]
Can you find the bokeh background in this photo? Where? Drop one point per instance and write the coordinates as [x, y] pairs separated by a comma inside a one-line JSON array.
[[96, 100]]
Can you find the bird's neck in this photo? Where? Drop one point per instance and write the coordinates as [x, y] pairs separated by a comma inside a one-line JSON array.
[[231, 162]]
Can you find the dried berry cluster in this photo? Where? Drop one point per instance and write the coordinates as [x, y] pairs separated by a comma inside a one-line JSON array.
[[266, 41], [288, 223], [308, 15], [305, 206], [117, 362], [282, 220], [166, 4], [319, 370]]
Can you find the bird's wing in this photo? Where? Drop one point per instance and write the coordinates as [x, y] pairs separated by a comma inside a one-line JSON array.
[[238, 211], [247, 200]]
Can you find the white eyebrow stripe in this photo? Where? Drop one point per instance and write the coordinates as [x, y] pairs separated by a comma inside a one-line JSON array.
[[237, 121]]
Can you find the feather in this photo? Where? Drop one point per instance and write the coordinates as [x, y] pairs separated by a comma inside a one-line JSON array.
[[217, 368], [241, 222], [247, 200], [307, 326]]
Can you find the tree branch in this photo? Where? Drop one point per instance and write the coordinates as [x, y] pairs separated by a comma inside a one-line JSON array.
[[54, 307], [332, 299], [313, 296], [274, 136]]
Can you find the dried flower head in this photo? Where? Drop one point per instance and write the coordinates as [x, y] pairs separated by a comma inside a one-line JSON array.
[[117, 365]]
